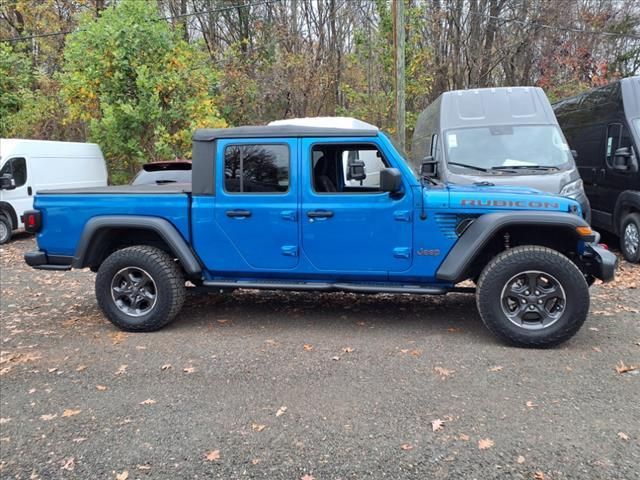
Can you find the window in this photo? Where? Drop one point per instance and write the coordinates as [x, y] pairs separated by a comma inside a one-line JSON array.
[[256, 168], [337, 168], [17, 167]]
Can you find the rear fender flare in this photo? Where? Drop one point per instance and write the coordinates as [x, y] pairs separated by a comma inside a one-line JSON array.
[[482, 230], [162, 227]]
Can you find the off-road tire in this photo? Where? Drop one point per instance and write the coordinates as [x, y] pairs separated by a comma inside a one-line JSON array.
[[510, 263], [5, 229], [168, 281], [630, 220]]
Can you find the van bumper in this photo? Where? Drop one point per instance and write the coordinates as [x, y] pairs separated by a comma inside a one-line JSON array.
[[40, 260]]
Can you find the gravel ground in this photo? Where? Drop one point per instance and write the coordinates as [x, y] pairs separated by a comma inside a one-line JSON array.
[[299, 385]]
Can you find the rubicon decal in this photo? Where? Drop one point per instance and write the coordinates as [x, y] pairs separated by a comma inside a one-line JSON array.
[[466, 202]]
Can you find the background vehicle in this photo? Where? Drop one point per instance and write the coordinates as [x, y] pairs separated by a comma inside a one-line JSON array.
[[603, 126], [160, 173], [271, 207], [28, 166], [502, 136]]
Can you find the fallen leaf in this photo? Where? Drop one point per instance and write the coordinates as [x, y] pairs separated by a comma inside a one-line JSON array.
[[69, 464], [81, 368], [281, 411], [213, 455], [348, 350], [336, 358], [308, 347], [361, 324], [415, 352], [144, 467], [436, 425], [453, 330], [496, 368], [79, 440], [463, 437], [623, 436], [406, 446], [102, 388], [51, 370], [148, 401], [443, 372], [222, 321], [306, 476], [258, 427], [69, 412], [623, 368], [530, 404], [48, 417], [520, 459], [121, 370], [485, 443], [166, 366], [123, 476], [4, 420], [189, 369], [594, 329], [118, 337], [404, 350], [255, 461], [538, 475], [596, 349]]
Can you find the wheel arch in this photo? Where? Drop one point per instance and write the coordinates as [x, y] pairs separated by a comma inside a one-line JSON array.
[[628, 202], [487, 237], [103, 235]]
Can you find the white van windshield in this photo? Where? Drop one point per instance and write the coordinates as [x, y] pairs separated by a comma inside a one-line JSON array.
[[507, 147]]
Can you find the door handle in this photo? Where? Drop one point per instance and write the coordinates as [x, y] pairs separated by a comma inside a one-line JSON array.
[[29, 191], [238, 213], [319, 214]]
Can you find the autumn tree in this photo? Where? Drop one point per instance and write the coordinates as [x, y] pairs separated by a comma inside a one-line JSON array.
[[139, 86]]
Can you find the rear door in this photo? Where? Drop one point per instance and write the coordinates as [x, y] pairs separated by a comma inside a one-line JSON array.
[[257, 205]]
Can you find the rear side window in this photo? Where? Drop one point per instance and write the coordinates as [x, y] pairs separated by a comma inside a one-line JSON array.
[[256, 168], [17, 167]]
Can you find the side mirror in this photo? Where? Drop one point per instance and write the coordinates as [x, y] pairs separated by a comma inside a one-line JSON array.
[[622, 159], [574, 154], [356, 170], [7, 182], [429, 167], [390, 180]]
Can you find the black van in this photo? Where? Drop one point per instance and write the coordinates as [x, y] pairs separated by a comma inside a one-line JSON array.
[[603, 126]]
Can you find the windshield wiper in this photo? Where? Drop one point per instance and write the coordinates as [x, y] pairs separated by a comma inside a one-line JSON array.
[[471, 167], [524, 167]]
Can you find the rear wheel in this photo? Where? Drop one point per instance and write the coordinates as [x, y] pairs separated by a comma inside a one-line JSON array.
[[630, 237], [5, 229], [532, 296], [140, 289]]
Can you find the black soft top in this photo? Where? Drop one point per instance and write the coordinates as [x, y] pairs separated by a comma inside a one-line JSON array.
[[211, 134]]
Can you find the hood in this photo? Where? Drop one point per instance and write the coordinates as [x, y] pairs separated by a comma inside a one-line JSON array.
[[544, 182], [495, 198]]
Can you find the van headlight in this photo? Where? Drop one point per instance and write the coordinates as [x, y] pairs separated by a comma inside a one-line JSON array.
[[572, 189]]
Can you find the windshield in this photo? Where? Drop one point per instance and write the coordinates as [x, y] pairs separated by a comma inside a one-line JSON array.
[[499, 147]]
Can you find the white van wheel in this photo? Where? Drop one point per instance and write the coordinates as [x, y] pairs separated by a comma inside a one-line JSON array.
[[5, 229]]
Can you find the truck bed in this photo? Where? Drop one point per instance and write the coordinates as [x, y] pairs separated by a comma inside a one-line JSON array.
[[124, 189]]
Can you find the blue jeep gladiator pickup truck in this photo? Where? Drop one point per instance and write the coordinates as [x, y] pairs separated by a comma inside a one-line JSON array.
[[323, 209]]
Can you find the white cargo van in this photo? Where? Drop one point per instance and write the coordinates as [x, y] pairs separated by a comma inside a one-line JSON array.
[[28, 166]]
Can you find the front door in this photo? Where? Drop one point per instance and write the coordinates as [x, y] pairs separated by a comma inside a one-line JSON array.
[[257, 205], [349, 226], [21, 197]]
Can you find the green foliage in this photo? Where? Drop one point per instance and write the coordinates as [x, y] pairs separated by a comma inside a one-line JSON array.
[[15, 84], [141, 89]]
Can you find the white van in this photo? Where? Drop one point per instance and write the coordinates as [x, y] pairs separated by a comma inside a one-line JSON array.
[[28, 166]]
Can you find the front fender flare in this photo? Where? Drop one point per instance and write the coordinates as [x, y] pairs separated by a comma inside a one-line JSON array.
[[480, 232], [627, 200], [162, 227]]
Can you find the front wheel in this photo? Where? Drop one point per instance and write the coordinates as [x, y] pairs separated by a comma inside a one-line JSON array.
[[5, 229], [532, 296], [140, 289], [630, 237]]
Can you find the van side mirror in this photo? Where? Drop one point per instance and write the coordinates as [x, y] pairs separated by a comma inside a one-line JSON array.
[[390, 180], [356, 170], [429, 167], [624, 160], [7, 182]]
